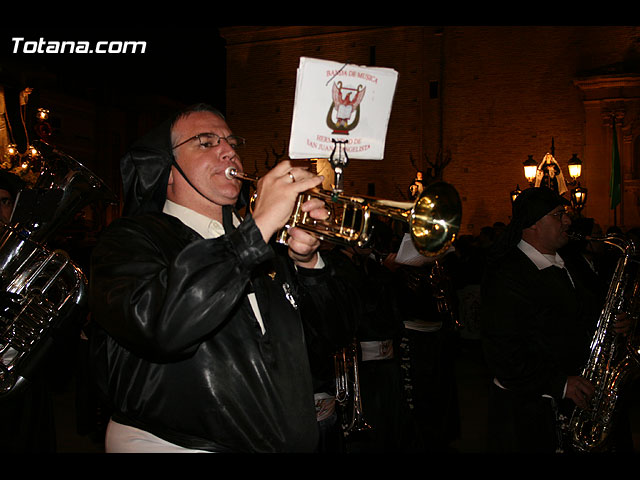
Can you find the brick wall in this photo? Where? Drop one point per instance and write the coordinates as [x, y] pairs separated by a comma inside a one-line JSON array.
[[486, 97]]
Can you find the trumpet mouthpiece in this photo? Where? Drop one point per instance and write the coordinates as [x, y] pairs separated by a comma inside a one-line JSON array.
[[230, 173]]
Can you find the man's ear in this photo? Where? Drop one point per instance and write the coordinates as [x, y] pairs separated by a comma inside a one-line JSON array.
[[170, 184], [170, 181], [529, 232]]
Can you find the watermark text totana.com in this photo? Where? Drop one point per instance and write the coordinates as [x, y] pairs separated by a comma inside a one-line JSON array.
[[24, 46]]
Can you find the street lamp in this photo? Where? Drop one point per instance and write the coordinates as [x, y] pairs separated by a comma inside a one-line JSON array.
[[578, 198], [515, 193], [548, 174], [575, 167], [530, 169]]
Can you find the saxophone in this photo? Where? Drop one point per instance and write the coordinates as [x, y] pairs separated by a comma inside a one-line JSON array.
[[41, 290], [614, 359]]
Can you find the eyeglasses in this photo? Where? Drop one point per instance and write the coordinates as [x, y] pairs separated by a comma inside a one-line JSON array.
[[558, 215], [210, 140]]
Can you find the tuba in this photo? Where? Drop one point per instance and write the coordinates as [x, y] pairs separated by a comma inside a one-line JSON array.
[[613, 359], [41, 290]]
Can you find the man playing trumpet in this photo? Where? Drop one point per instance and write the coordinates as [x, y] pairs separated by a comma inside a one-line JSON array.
[[198, 341]]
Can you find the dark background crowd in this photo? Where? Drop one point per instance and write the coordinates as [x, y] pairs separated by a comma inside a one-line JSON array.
[[428, 314]]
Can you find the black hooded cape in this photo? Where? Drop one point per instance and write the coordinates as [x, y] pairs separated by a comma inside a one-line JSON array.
[[535, 326], [176, 349]]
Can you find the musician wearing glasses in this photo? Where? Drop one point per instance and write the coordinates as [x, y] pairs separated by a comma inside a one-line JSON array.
[[198, 339], [537, 319]]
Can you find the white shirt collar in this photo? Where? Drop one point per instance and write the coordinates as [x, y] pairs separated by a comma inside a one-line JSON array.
[[539, 259], [205, 226]]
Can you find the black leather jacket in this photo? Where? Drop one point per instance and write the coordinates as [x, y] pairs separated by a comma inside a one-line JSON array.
[[177, 348]]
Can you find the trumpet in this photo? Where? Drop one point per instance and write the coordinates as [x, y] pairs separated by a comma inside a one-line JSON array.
[[347, 381], [433, 219]]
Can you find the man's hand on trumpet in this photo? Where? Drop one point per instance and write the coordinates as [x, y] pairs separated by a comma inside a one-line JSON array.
[[277, 193], [303, 245]]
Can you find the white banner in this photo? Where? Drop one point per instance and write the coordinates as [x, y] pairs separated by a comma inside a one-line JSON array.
[[341, 102]]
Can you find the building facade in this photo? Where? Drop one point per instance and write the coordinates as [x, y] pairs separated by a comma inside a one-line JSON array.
[[471, 104]]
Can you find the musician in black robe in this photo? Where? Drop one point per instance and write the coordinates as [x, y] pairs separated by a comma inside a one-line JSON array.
[[198, 343], [538, 316]]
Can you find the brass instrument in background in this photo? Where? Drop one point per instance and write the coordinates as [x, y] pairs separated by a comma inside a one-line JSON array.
[[614, 359], [433, 281], [348, 396], [433, 219], [41, 290], [442, 292]]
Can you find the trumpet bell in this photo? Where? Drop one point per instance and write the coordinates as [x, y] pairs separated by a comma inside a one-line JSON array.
[[435, 219]]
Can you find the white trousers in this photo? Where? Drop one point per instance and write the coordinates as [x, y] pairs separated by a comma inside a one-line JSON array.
[[125, 439]]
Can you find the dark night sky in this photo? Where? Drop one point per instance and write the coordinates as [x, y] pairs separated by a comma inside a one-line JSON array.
[[185, 65]]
